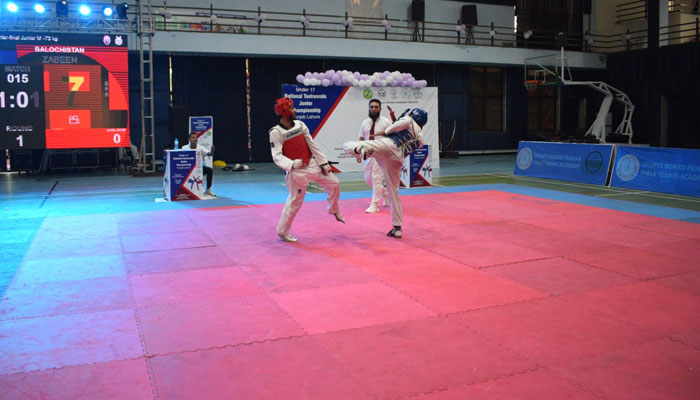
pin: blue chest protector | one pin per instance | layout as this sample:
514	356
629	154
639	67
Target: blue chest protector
405	141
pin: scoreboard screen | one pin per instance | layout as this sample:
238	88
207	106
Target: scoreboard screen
63	91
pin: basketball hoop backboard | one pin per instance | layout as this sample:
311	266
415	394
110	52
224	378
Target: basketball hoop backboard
551	69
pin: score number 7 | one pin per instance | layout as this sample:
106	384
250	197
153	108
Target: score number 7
75	81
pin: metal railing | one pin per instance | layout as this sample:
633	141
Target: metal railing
305	24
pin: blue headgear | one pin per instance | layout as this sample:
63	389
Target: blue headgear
420	116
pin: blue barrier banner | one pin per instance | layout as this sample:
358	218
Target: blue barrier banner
573	162
667	170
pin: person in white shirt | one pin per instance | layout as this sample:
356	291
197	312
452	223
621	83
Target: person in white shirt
402	138
294	150
208	171
373	128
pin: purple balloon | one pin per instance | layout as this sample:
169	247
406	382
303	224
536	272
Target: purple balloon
356	75
300	78
343	81
308	75
325	82
364	77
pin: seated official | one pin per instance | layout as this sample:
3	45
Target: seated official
208	170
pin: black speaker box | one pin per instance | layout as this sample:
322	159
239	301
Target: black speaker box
108	158
21	160
469	15
61	159
87	158
416	11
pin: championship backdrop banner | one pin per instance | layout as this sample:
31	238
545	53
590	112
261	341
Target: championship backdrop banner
667	170
573	162
204	127
334	114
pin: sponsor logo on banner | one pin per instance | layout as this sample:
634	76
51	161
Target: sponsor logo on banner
381	93
627	167
118	41
417	94
367	94
106	40
524	158
594	162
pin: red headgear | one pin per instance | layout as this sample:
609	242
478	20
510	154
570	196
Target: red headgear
283	107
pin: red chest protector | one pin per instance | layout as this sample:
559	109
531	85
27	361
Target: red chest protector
295	147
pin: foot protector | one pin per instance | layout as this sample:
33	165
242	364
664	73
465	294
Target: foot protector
287	238
395	233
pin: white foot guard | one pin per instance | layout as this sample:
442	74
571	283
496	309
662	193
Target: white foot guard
287	238
372	209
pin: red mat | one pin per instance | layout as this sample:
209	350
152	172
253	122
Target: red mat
489	295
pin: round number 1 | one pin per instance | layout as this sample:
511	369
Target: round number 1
19	139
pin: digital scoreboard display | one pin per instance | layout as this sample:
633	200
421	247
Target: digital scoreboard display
63	91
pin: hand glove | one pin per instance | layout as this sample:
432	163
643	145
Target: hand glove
296	163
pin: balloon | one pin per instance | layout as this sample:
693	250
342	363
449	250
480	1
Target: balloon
300	78
308	75
364	77
307	81
326	82
315	75
356	75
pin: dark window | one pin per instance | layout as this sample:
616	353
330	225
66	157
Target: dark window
486	99
542	109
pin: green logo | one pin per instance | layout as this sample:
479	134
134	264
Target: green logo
367	94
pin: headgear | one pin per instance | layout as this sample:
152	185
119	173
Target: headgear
283	107
419	116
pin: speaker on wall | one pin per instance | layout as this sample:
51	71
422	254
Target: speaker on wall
469	15
416	11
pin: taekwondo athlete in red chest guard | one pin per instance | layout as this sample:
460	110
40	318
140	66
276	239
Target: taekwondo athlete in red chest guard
294	150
